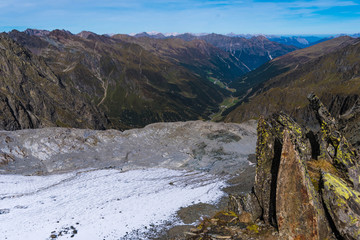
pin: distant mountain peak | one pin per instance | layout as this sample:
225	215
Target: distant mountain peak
86	34
58	32
36	32
260	37
150	35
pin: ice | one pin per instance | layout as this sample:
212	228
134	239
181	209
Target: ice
98	204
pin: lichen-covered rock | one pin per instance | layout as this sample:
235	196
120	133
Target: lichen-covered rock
267	152
343	205
247	204
302	144
298	211
333	146
305	184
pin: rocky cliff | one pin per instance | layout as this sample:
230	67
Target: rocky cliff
32	95
306	185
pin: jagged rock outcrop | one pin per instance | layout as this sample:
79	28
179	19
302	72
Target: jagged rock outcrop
333	145
299	214
298	198
306	183
268	154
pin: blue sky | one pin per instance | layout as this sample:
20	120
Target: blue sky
197	16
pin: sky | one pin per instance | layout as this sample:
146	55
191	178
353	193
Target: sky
282	17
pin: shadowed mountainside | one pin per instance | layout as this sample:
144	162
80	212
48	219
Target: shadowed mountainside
198	56
32	96
330	69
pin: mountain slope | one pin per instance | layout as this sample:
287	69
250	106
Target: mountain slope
298	41
130	84
252	52
330	69
197	55
32	96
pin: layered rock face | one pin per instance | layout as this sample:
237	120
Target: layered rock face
306	184
32	95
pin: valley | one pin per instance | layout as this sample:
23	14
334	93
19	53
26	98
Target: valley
122	82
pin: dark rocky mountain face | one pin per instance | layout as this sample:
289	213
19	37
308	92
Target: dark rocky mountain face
36	32
128	83
329	69
156	36
32	96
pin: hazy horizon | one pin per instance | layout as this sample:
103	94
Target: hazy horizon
281	17
166	34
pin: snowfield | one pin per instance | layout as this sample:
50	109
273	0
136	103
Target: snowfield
65	183
99	204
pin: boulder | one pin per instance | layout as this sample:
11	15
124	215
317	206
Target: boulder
245	205
343	205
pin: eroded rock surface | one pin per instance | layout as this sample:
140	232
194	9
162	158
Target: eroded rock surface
333	145
299	213
212	147
343	205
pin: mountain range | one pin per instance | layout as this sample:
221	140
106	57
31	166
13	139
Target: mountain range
86	80
56	78
251	51
300	41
